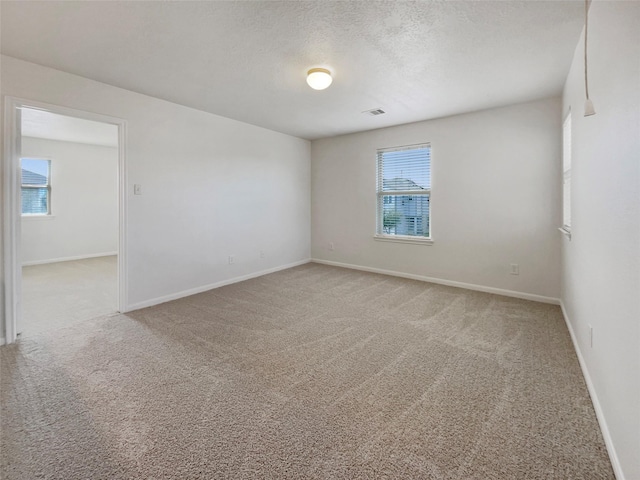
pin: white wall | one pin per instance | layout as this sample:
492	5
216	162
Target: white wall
601	262
495	199
211	186
84	202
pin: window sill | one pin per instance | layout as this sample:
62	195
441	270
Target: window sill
403	239
37	217
565	232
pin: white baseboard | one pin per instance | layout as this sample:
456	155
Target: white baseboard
68	259
604	428
450	283
204	288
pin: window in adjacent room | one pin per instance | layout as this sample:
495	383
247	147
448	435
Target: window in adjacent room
566	173
404	192
36	186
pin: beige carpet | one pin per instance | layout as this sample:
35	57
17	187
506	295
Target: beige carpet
56	295
312	372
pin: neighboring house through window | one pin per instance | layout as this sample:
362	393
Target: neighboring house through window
404	191
36	186
566	173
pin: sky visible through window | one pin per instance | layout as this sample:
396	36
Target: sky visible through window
36	165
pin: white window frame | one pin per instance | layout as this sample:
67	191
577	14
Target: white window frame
48	186
566	175
380	194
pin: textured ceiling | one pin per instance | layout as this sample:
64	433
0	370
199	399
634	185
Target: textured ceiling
41	124
247	60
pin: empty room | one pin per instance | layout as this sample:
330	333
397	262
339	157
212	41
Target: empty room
69	234
345	240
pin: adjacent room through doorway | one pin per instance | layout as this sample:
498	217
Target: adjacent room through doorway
69	220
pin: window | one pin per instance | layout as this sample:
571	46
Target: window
404	192
36	186
566	174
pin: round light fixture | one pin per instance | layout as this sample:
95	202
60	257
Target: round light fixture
319	78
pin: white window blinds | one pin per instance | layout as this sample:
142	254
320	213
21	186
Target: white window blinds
36	186
404	191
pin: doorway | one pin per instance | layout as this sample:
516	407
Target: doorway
64	256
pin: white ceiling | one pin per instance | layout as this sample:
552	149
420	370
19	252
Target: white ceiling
247	60
41	124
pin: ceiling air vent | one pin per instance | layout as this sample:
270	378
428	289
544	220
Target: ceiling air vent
375	111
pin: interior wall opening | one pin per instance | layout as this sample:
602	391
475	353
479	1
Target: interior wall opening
69	223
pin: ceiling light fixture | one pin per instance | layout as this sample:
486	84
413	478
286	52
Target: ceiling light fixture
319	78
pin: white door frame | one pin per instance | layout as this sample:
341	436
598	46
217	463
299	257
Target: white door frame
11	252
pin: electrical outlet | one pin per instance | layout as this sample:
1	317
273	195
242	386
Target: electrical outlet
261	253
331	246
232	259
515	269
137	189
